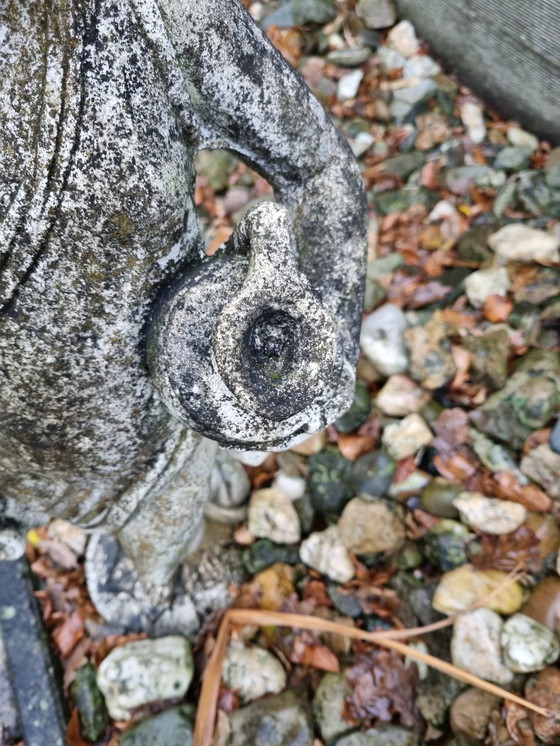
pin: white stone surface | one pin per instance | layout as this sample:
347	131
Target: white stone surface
476	648
73	536
401	396
252	671
367	527
407	437
520	243
489	514
483	283
273	516
145	671
348	85
402	38
382	340
325	552
473	119
421	66
521	139
292	486
528	645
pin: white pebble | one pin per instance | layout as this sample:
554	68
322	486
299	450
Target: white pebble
402	38
519	243
349	84
473	119
325	552
483	283
489	514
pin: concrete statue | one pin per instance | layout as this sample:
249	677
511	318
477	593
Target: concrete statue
126	354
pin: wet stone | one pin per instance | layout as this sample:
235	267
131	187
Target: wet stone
281	720
472	245
328	704
444	545
172	727
300	13
471	711
438	496
144	671
494	456
252	671
475	646
358	412
372	474
528	645
489	514
329	481
367	527
90	703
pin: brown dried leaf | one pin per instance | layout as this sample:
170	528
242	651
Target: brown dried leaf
497	308
506	552
352	445
307	652
68	633
383	688
73	733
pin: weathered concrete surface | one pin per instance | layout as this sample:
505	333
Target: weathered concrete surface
509	53
104	104
28	672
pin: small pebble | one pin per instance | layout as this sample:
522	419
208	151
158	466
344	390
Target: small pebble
144	671
475	646
471	711
520	243
544	691
328	705
349	84
483	283
401	396
252	671
325	552
377	14
528	645
382	342
473	119
273	516
489	514
402	38
461	588
405	438
367	527
521	139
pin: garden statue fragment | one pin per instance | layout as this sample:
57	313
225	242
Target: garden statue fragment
127	355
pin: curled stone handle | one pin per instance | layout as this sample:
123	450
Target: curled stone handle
241	348
273	340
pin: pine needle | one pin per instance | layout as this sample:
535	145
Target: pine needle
208	702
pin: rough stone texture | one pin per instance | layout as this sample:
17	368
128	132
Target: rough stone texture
144	671
35	690
489	514
527	644
325	552
282	720
272	515
475	646
328	706
252	671
470	713
367	527
104	106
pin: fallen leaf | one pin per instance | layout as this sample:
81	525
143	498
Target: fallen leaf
352	445
497	308
68	632
382	688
